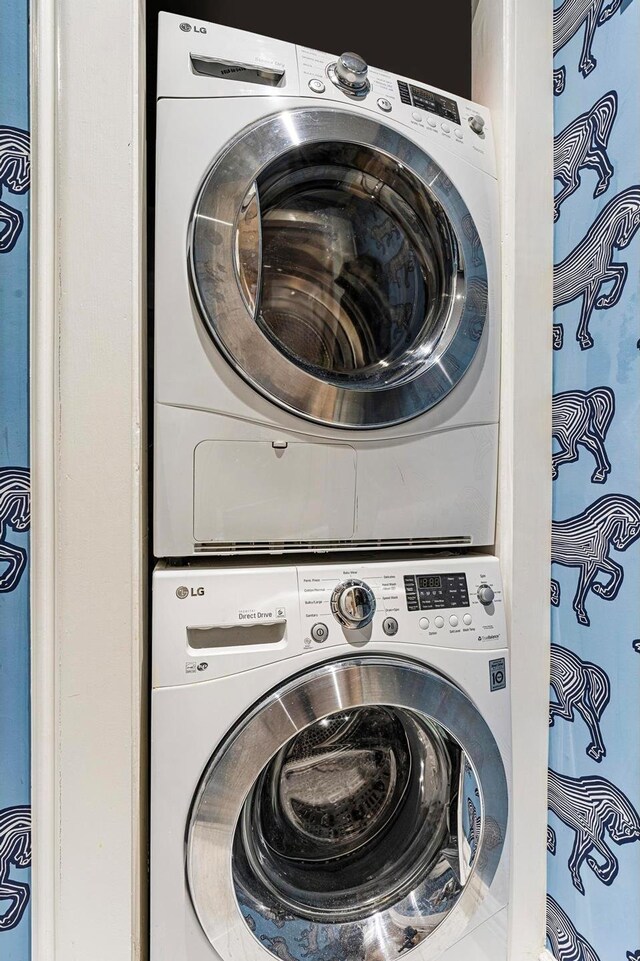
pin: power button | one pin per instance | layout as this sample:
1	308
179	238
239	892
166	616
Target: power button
319	632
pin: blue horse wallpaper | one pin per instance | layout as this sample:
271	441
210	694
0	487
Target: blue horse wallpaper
15	499
594	779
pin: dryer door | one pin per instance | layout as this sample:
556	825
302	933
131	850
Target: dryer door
357	812
338	269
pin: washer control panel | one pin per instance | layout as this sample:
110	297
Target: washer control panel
215	621
452	602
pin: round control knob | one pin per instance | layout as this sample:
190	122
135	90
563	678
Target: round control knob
351	71
485	594
477	124
353	604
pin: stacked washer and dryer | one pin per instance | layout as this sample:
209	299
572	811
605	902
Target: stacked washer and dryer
330	754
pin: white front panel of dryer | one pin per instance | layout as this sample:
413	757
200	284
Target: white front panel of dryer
430	480
268	491
190	370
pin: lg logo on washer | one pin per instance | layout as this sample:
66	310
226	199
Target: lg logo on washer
183	592
186	28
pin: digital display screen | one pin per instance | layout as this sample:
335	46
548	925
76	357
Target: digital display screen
429	100
429	583
432	592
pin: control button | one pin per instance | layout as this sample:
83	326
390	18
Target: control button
445	128
417	116
384	104
424	623
320	632
390	626
485	595
439	621
453	620
431	121
458	134
467	619
317	86
477	124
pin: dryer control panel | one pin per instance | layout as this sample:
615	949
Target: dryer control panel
216	621
200	59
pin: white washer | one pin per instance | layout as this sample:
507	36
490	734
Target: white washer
330	773
326	303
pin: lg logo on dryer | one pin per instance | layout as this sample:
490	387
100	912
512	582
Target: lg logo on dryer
186	28
183	592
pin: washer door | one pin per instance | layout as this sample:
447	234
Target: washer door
352	813
338	268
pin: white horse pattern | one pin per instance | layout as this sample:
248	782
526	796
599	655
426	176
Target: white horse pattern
583	687
15	851
582	418
592	807
584	541
590	264
568	19
15	176
15	514
566	943
583	143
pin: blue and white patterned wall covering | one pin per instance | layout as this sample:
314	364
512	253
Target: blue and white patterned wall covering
594	781
15	500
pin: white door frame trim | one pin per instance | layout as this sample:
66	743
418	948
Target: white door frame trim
512	53
43	327
88	560
88	556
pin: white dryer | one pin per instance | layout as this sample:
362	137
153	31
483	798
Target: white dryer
330	768
326	303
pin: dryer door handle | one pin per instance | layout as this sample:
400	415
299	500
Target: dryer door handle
247	249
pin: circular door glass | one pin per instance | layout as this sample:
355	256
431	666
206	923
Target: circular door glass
368	827
347	816
358	264
338	268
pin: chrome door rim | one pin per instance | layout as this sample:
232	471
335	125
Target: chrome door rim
246	347
328	688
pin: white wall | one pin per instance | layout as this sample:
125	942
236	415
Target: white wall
512	51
